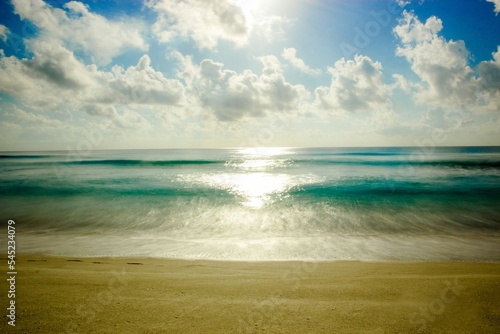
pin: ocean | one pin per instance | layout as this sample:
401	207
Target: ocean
373	204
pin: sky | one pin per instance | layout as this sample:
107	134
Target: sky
113	74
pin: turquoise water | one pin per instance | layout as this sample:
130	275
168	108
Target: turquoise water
257	204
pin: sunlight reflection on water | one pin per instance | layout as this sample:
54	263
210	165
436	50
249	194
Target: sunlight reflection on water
249	175
255	188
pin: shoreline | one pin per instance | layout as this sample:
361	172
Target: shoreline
65	294
400	248
35	254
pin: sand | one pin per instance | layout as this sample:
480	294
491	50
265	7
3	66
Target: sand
121	295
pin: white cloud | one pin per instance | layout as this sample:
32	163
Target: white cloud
204	21
272	28
290	54
489	72
127	118
4	31
401	83
38	119
137	85
55	64
80	30
232	96
51	76
10	125
489	82
403	3
356	86
497	5
441	65
447	80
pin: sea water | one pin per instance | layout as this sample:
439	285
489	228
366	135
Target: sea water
257	203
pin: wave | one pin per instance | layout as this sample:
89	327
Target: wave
371	191
392	188
238	163
409	163
25	156
126	162
368	159
125	190
367	154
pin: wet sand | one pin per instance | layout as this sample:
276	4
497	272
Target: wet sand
124	295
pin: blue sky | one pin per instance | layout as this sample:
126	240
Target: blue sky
204	73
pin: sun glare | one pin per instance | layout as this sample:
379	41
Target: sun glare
255	188
252	7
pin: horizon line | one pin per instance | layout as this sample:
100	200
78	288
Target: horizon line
257	147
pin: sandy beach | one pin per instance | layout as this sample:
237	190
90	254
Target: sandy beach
123	295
